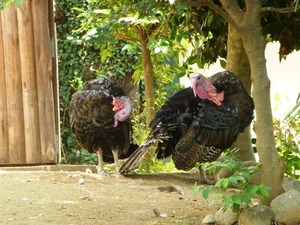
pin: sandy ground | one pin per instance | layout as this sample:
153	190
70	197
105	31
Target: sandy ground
57	197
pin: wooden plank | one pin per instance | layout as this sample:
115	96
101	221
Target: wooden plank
4	153
55	75
15	120
29	85
43	62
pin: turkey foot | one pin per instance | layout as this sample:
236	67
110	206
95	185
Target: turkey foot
116	160
205	180
102	172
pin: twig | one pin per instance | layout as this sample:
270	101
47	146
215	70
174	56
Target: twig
91	193
280	10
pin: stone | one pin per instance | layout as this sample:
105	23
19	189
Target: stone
291	184
286	207
81	181
209	219
226	218
259	214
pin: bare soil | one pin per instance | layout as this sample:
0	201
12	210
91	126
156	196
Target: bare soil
58	197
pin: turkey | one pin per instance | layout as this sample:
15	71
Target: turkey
99	118
198	123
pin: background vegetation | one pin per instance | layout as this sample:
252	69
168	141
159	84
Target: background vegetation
82	58
114	41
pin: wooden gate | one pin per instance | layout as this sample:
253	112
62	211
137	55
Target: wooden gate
29	132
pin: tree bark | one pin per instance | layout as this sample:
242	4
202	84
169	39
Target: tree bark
272	166
149	87
247	23
238	63
148	74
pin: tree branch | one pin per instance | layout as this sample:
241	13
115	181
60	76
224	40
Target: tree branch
253	11
280	10
125	38
232	9
214	7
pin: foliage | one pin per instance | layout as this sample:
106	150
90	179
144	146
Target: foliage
157	166
105	23
5	3
279	23
282	26
213	37
240	179
87	46
288	143
80	61
71	58
294	112
85	54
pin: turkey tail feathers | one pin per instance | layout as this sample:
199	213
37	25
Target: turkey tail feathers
133	161
186	155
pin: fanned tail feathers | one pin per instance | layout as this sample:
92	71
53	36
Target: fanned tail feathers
133	161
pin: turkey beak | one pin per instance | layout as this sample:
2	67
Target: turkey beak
193	85
194	90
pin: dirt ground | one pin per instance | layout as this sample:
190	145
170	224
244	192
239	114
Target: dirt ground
58	197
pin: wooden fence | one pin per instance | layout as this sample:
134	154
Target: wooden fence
29	132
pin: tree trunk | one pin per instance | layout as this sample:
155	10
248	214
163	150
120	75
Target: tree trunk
148	74
247	23
238	63
272	166
149	88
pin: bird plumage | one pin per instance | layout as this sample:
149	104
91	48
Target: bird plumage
95	124
195	130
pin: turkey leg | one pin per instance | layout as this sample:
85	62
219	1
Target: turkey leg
116	160
101	170
205	179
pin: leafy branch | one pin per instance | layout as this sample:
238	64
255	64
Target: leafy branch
240	180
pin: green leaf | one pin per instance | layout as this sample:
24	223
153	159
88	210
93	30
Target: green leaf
234	179
205	192
5	3
263	190
236	199
236	207
251	190
247	200
223	63
79	9
18	2
227	200
196	188
219	183
226	183
219	195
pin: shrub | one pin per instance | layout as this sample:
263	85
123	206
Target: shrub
240	179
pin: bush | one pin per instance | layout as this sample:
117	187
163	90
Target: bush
239	179
288	144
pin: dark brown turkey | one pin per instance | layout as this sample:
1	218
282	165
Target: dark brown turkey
198	123
99	118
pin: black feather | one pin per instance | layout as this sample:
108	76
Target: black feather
92	120
194	130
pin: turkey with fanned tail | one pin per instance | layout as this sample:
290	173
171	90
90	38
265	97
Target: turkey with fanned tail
199	122
100	119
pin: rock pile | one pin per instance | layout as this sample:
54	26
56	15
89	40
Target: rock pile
284	209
